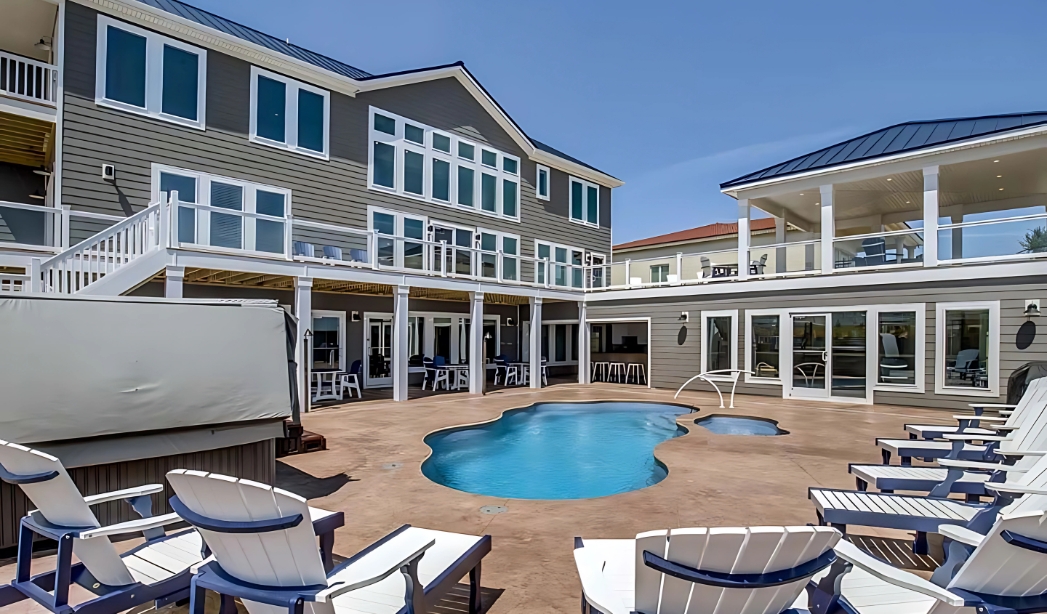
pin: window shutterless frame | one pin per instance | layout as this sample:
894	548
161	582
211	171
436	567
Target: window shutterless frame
542	177
750	362
569	268
583	202
399	218
992	388
919	345
291	140
154	74
509	245
732	340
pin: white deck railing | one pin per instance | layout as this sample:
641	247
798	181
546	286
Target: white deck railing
28	79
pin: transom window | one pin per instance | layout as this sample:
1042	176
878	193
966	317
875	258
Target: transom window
228	213
585	202
289	114
143	72
417	161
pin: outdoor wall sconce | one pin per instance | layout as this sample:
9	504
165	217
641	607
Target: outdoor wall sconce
508	321
355	316
685	316
1032	308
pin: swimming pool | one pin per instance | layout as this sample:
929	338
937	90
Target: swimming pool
556	451
740	425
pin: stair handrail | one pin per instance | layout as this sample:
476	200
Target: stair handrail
106	234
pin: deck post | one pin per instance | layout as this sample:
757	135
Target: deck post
477	369
400	325
174	276
583	345
930	216
743	238
303	309
536	342
828	229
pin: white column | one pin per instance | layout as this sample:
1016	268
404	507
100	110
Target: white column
781	254
743	238
173	278
583	345
536	342
828	229
930	216
400	356
477	368
303	310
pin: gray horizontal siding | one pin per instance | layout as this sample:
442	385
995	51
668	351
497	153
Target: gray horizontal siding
673	363
332	191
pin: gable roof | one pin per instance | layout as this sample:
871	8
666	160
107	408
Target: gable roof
709	231
909	136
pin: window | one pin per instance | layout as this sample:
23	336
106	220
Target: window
232	214
967	349
897	354
328	340
493	241
143	72
541	183
289	114
585	202
390	252
565	266
659	273
558	343
417	161
763	359
720	342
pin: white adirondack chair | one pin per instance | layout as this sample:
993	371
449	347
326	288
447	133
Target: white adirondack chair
265	554
158	570
700	570
1033	394
1009	562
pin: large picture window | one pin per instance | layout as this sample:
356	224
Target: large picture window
143	72
899	339
967	348
720	342
289	114
414	160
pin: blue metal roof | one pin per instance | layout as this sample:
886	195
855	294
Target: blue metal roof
228	26
910	136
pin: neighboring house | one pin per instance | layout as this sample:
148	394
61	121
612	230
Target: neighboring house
386	210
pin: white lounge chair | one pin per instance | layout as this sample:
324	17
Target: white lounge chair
265	555
839	508
1004	571
755	570
976	422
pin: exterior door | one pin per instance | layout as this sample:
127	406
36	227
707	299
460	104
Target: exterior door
810	356
378	352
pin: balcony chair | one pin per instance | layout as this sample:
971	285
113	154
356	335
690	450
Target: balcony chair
757	267
301	248
332	253
875	251
756	570
924	515
351	381
358	255
707	267
264	554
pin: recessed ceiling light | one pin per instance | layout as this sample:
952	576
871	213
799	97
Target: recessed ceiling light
995	161
907	202
1001	189
998	176
801	193
889	179
817	203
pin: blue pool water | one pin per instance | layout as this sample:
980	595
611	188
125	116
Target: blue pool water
556	451
739	425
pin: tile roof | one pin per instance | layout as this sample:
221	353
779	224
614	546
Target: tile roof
709	231
910	136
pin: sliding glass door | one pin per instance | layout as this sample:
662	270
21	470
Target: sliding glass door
829	355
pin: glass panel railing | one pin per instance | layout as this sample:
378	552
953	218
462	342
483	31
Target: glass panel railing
1005	238
873	250
710	265
27	224
784	258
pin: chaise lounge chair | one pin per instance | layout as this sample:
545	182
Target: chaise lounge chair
1002	572
839	508
158	570
970	423
756	570
267	557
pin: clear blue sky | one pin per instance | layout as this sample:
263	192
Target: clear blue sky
674	98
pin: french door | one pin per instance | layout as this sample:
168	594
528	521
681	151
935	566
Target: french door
829	355
378	352
810	356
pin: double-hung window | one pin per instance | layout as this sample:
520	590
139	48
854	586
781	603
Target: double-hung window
541	182
585	202
491	243
223	212
411	159
561	264
143	72
289	114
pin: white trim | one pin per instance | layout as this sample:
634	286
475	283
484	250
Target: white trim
750	378
539	169
429	153
650	341
292	87
342	349
154	67
993	365
920	345
733	342
586	185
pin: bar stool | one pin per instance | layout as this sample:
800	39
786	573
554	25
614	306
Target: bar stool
616	370
598	368
635	369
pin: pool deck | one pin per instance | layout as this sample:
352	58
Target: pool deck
371	471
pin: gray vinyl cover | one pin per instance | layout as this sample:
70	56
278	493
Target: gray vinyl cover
74	368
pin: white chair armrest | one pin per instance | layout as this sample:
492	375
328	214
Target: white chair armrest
594	585
132	526
981	418
968	437
1003	428
126	493
376	565
962	464
1016	489
896	577
1006	412
961	534
1020	452
992	405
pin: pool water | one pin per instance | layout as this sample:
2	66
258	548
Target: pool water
556	451
739	425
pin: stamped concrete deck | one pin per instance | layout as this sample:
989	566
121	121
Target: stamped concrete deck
371	471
